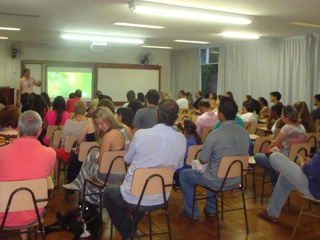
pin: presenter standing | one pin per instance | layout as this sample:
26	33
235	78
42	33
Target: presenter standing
26	84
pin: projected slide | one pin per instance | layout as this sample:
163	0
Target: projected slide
64	80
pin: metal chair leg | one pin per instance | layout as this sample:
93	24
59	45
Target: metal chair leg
217	217
263	182
150	225
245	210
222	206
298	220
193	203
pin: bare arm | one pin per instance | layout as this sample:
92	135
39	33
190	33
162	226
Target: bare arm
84	131
270	121
302	160
44	125
37	83
107	140
278	140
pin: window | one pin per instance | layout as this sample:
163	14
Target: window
209	58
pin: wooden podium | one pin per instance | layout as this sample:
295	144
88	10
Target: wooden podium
9	93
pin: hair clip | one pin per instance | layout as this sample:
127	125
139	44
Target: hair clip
182	124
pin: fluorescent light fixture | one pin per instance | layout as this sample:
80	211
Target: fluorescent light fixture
188	12
100	38
303	24
3	37
161	47
190	41
10	29
137	25
240	35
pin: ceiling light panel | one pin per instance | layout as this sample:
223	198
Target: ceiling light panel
303	24
240	35
191	41
161	47
100	38
137	25
188	12
10	29
3	37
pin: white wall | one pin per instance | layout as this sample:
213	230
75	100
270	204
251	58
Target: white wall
10	69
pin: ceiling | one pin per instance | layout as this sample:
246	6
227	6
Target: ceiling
41	21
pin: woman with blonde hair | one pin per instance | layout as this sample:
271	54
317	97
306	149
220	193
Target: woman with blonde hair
304	116
111	136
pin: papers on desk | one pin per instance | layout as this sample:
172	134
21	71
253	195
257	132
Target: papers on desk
253	136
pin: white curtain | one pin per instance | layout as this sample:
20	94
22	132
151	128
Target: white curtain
289	65
185	73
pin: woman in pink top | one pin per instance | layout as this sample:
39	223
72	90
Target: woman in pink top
57	116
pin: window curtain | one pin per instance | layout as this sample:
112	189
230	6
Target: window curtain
288	65
185	73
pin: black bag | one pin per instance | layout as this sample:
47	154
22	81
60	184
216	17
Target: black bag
74	164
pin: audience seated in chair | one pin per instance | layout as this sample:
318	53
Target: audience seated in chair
305	116
263	107
208	118
315	114
158	146
125	115
112	136
303	176
228	139
9	117
248	111
56	116
70	103
72	127
182	101
145	117
26	159
188	129
274	120
292	132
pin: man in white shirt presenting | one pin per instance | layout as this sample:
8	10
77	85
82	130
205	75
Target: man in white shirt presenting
26	84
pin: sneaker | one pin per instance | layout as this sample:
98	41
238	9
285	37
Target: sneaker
183	213
70	186
208	214
266	216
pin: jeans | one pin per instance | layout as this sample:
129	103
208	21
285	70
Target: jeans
263	161
117	209
188	179
291	178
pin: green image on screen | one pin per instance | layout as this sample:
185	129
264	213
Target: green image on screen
63	83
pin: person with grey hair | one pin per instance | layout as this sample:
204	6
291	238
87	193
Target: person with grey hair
25	159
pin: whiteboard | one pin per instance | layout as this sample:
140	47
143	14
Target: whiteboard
116	82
